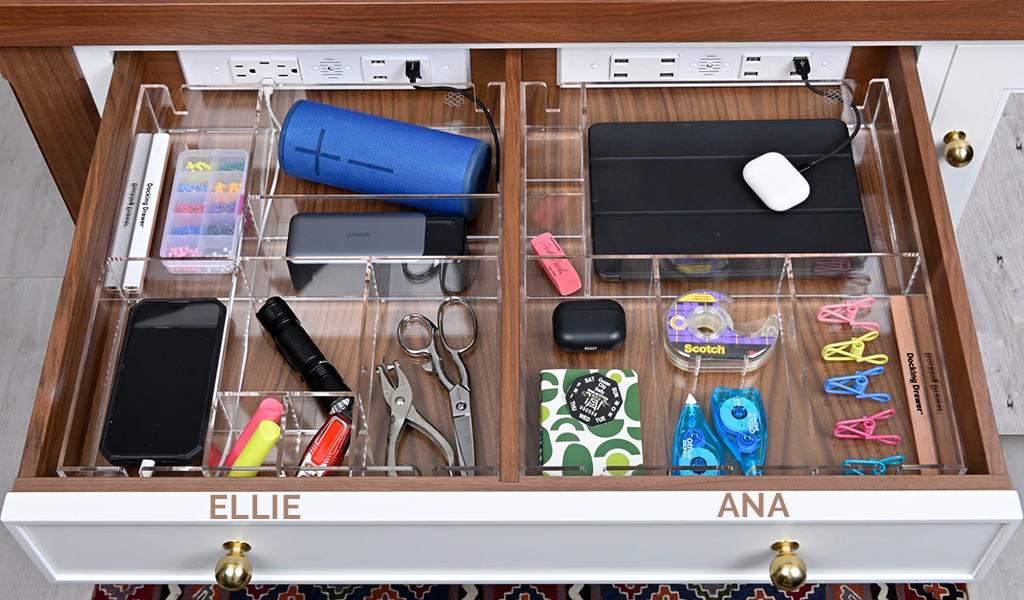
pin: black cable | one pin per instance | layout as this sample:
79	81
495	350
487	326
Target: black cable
487	114
803	68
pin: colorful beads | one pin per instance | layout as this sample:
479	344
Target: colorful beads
232	188
186	230
205	218
217	253
218	208
220	229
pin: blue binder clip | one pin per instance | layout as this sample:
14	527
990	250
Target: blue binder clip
874	467
855	385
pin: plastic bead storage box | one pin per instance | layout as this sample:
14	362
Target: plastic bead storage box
204	215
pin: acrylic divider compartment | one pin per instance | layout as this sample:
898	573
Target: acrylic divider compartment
204	215
356	327
276	196
912	381
210	126
557	195
800	416
265	230
301	417
443	111
96	366
351	327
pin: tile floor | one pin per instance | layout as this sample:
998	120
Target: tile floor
32	261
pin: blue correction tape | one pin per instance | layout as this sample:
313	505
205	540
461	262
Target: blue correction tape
740	422
695	445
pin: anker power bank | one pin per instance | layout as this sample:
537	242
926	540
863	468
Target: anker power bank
313	237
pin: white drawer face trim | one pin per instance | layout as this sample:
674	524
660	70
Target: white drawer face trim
516	536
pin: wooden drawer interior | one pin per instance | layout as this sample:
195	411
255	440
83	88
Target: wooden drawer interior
544	188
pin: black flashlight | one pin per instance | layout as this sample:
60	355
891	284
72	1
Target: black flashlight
302	354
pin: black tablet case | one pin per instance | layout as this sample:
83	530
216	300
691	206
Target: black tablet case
677	188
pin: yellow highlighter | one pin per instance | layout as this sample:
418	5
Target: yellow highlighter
257	448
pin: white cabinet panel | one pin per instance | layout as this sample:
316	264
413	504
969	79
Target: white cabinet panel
517	536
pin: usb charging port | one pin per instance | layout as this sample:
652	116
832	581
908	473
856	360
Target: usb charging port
620	60
753	59
666	75
668	60
750	73
620	75
380	76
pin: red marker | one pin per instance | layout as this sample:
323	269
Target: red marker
328	446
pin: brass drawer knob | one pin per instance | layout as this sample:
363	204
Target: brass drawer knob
787	571
959	151
234	570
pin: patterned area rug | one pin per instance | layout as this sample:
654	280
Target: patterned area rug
643	591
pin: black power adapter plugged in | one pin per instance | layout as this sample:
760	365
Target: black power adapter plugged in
412	71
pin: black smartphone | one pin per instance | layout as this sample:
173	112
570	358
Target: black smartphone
160	403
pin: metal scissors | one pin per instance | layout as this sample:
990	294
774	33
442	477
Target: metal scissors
458	390
398	395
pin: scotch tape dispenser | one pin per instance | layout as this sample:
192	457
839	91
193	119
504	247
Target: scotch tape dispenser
700	334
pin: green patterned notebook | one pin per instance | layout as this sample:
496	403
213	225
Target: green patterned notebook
589	420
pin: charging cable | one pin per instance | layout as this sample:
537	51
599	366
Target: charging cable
412	71
802	66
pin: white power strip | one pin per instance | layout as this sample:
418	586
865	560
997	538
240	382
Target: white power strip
647	63
352	66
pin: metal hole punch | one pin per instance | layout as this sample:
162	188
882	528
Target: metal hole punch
458	387
856	385
398	395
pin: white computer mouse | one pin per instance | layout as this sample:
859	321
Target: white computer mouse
776	181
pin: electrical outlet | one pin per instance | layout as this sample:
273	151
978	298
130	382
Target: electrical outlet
279	70
360	67
771	66
643	63
392	70
644	68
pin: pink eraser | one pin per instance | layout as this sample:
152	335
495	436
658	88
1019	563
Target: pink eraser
559	270
269	410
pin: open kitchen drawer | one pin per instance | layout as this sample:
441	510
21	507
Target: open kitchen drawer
938	518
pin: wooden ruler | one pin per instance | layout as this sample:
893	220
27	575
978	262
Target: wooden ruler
913	379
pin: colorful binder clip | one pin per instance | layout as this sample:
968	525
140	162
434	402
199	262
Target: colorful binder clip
854	350
856	385
874	467
864	428
847	313
831	267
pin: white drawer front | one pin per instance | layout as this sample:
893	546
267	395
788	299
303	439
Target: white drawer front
424	537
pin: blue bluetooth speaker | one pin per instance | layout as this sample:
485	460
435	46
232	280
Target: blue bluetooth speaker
373	155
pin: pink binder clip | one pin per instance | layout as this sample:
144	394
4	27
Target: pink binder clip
847	313
864	428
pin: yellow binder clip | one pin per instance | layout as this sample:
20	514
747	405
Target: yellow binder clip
854	350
